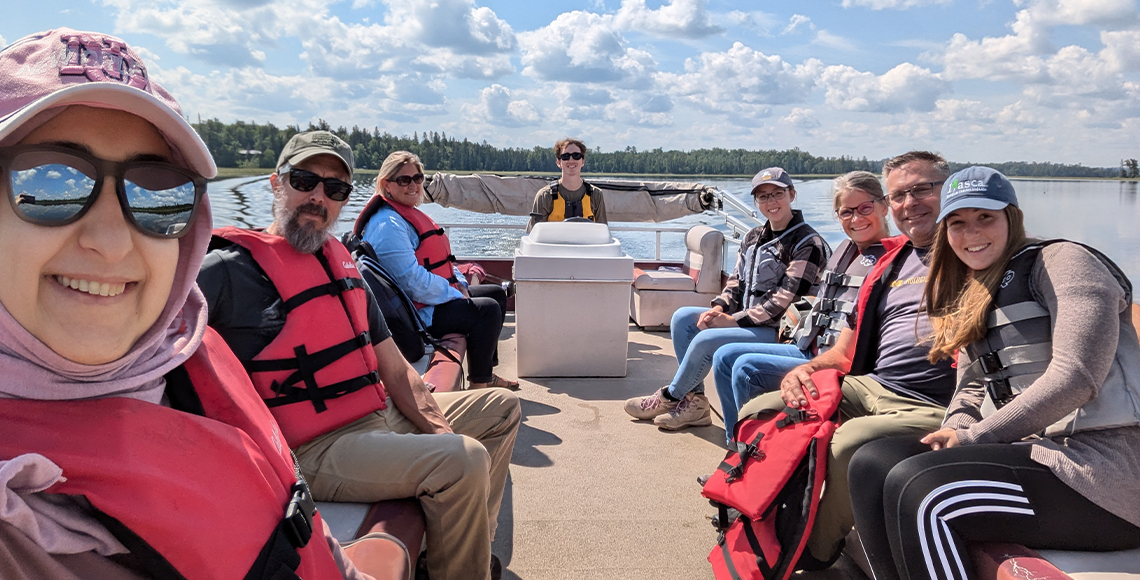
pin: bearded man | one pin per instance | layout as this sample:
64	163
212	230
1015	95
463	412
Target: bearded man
291	305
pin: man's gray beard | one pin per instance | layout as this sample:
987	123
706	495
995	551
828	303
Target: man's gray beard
306	239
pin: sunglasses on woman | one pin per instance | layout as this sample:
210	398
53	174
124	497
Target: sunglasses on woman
50	185
306	181
864	209
568	156
406	180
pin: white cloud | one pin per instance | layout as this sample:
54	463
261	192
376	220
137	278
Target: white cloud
741	81
892	4
803	119
1121	49
496	107
906	87
629	113
825	38
583	47
761	23
796	22
676	18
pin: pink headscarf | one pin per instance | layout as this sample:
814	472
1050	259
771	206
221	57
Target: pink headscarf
39	76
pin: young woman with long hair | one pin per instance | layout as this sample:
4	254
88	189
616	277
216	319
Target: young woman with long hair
1041	442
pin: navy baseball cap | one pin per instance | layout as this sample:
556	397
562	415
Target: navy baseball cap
976	187
772	175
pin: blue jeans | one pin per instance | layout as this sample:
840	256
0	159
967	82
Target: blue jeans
695	347
743	371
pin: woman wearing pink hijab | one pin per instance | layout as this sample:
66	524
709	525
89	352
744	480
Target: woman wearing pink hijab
131	442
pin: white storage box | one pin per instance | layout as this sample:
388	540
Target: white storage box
572	301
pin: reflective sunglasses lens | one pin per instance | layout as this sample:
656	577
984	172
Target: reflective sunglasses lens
303	180
569	156
161	199
337	190
403	180
50	187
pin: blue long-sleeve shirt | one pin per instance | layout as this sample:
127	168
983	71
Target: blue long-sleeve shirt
395	242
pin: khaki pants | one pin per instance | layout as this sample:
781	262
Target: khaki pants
458	478
868	411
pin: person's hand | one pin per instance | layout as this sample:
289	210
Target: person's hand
706	316
795	384
942	439
721	320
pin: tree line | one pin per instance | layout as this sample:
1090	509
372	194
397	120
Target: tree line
242	144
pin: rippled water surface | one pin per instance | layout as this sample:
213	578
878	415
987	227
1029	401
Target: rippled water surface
1103	214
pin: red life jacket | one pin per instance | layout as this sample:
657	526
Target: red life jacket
199	495
434	251
867	319
320	372
768	487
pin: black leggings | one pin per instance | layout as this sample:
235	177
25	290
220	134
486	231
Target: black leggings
940	500
480	319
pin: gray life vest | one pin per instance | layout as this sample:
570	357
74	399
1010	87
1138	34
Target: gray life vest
836	297
763	267
1018	348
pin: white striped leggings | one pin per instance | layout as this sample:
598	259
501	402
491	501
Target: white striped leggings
916	510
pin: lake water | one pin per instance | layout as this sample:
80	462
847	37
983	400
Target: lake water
1102	214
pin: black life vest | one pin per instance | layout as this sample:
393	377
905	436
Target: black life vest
320	372
434	250
767	489
1018	348
836	297
197	495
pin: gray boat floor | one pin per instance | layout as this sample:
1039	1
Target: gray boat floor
594	494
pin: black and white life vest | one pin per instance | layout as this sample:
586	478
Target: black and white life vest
836	297
763	265
1018	348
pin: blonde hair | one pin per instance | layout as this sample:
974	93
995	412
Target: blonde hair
392	165
864	181
958	299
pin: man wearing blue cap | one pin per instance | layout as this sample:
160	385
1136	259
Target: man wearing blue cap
891	389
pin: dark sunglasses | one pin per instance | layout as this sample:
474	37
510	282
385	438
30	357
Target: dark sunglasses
864	209
568	156
49	185
406	180
307	181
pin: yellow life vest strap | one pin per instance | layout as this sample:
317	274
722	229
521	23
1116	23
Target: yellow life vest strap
558	212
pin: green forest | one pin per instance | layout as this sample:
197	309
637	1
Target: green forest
252	145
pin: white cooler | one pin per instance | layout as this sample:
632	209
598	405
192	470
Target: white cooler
572	288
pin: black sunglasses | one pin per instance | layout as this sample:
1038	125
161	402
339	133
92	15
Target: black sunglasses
49	185
406	180
307	181
568	156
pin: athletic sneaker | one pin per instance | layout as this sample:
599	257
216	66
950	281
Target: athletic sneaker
692	411
649	407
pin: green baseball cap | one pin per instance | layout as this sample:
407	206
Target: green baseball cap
310	144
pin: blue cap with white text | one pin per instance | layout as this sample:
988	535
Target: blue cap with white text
976	187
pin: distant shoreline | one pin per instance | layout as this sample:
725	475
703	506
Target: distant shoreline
239	172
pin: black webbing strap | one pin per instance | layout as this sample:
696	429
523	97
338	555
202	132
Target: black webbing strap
288	394
334	288
728	559
322	358
279	559
796	416
761	563
428	264
744	452
430	233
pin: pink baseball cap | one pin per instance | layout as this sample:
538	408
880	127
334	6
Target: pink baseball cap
61	67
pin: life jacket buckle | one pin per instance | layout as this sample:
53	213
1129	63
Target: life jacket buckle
796	416
298	523
999	391
825	305
990	362
363	340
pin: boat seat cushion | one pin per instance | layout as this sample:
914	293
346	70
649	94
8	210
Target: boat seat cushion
662	280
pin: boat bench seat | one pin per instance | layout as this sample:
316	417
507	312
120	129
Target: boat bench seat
657	294
1015	562
441	374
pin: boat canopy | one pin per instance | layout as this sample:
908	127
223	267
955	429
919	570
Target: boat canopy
626	201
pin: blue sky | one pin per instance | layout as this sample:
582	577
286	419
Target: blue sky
977	80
